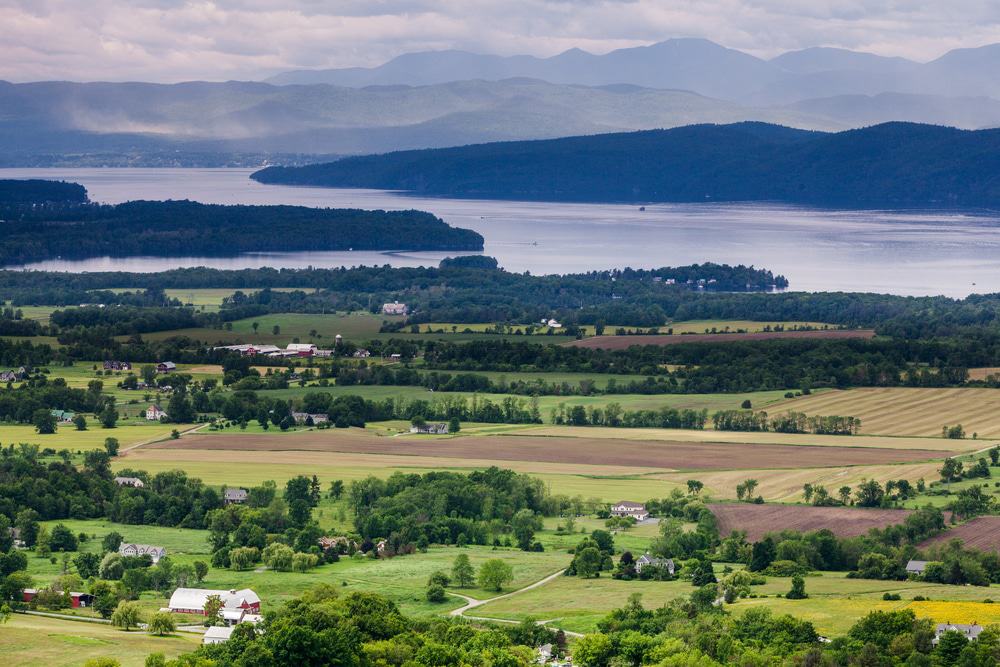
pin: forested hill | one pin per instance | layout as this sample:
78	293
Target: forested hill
40	191
888	165
74	229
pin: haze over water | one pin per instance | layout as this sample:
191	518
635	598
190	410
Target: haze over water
911	253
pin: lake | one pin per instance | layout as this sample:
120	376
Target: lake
899	252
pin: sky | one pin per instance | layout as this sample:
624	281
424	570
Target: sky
178	40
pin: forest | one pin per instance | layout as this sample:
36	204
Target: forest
893	164
76	229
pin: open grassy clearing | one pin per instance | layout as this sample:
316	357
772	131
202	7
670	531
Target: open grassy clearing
402	579
946	447
211	298
67	437
909	411
49	642
835	602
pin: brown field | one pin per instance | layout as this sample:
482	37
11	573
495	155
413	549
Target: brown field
585	451
758	520
623	342
980	533
909	411
983	373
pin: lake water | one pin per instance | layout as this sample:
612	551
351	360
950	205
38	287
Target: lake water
912	253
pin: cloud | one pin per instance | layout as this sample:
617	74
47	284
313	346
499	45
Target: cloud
179	40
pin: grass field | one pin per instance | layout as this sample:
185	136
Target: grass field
49	642
909	411
835	602
67	437
211	298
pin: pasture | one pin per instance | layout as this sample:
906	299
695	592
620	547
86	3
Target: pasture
50	642
905	411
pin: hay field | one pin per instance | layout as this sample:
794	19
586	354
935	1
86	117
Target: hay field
786	485
945	447
909	411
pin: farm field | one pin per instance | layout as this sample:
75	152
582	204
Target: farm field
834	604
67	437
210	299
660	454
684	327
49	642
623	342
942	445
982	532
910	411
758	520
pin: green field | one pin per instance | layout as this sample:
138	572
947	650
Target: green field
50	642
67	437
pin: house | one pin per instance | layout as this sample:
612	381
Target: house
970	632
646	560
14	375
192	600
362	354
15	535
65	416
154	552
77	600
234	496
916	567
553	323
394	308
134	482
166	367
117	366
217	634
626	508
337	543
304	417
155	413
544	654
431	428
323	353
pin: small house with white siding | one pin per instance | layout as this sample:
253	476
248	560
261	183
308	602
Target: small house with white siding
628	508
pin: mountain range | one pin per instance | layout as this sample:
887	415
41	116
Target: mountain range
697	65
888	165
448	98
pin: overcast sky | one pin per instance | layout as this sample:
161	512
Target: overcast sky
174	40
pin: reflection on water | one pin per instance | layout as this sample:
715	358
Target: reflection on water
874	251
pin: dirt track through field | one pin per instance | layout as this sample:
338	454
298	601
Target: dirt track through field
758	520
623	342
593	451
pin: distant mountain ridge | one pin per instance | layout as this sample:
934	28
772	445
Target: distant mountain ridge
698	65
888	165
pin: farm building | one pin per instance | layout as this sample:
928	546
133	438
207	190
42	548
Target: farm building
301	349
970	632
154	552
307	418
134	482
551	323
155	413
217	634
646	560
362	354
627	508
77	600
916	567
65	416
166	367
15	535
250	349
192	600
117	366
234	496
394	308
431	428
